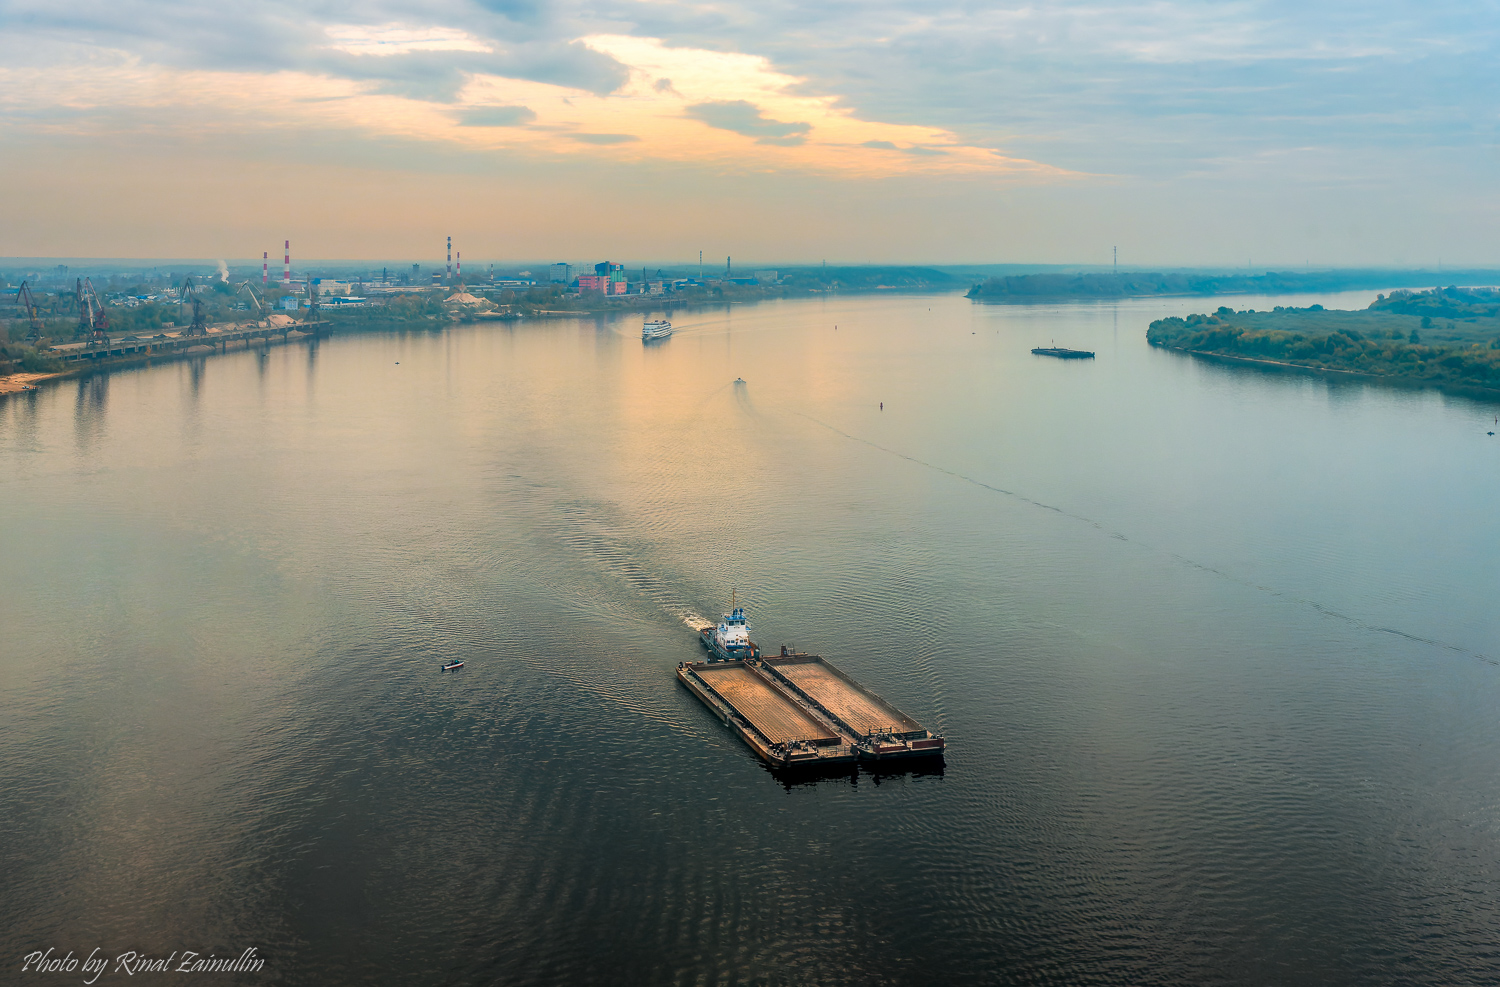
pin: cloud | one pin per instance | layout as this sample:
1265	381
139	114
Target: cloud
604	138
495	116
400	39
912	149
1156	92
745	118
539	101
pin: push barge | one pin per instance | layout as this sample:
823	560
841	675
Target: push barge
1062	353
798	710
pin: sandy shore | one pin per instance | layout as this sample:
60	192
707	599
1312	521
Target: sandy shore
16	383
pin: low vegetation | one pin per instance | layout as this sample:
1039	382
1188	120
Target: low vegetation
1444	336
1134	284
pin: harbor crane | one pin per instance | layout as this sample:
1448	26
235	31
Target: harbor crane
92	319
249	289
199	326
27	301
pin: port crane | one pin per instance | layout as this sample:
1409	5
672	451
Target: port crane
249	289
92	319
27	301
199	326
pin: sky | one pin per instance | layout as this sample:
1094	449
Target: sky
1255	134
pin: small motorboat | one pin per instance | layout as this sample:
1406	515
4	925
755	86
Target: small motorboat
452	666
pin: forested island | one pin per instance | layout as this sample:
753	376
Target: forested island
1137	284
1449	337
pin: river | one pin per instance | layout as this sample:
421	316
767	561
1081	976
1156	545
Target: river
1214	649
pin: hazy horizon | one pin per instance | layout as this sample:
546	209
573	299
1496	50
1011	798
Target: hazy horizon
396	265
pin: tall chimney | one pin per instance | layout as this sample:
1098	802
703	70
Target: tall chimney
265	268
460	265
450	258
286	266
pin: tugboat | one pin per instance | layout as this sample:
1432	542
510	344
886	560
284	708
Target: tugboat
658	329
730	640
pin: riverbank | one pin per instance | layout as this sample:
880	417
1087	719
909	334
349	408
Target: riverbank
1395	340
406	314
1140	284
136	356
21	383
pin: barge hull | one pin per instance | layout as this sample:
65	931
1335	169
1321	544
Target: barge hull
855	708
770	723
877	730
799	709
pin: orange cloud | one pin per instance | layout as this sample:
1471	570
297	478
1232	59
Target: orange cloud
731	112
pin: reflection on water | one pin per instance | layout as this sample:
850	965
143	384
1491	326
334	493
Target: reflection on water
89	405
1213	651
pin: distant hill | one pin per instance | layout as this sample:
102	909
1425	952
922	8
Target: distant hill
868	278
1134	284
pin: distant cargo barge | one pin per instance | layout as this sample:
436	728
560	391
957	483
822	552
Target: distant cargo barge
1063	353
797	710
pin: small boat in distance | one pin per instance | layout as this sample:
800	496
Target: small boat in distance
1063	353
656	329
452	665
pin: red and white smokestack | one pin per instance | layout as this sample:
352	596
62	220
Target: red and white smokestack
460	265
286	265
265	267
450	258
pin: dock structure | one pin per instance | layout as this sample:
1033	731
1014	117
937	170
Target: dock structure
799	710
130	346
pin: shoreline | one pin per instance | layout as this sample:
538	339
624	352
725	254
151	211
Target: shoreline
1282	366
22	383
30	383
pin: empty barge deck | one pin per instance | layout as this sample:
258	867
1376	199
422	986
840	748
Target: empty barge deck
797	709
781	730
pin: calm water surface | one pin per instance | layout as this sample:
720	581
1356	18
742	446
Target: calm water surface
1215	652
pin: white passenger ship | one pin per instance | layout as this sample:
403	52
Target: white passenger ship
658	329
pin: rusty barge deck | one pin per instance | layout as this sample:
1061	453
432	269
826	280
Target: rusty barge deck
799	710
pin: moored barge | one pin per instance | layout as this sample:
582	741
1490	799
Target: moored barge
1062	353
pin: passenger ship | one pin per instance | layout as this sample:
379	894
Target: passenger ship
659	329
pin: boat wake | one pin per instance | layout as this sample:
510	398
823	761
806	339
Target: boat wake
1182	559
695	622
